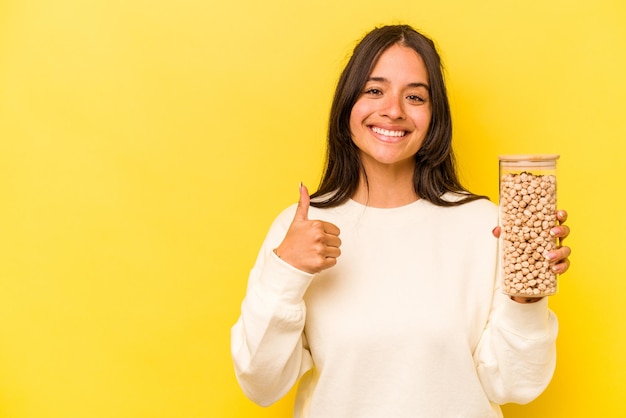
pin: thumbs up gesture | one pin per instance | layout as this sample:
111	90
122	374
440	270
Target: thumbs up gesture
309	245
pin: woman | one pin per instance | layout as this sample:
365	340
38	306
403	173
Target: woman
410	320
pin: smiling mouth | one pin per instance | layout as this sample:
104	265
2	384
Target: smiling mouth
386	132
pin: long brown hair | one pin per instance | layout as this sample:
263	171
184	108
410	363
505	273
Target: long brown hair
435	167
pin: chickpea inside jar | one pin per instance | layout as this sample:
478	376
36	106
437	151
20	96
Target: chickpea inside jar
527	214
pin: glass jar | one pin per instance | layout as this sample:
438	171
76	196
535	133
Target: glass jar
527	213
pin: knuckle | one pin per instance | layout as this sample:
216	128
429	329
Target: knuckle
318	248
318	263
317	225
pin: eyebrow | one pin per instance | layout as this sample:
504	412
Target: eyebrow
384	80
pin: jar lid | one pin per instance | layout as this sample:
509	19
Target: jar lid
529	157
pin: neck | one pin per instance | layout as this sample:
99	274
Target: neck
386	187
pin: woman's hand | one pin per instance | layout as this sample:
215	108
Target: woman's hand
558	257
310	246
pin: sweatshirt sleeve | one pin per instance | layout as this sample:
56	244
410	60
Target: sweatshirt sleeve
268	345
516	355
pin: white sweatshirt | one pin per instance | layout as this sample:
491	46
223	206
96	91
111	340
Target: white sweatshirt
409	323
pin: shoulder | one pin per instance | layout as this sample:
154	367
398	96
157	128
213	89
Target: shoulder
478	204
480	210
285	216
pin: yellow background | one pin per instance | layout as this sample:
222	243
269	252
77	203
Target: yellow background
145	147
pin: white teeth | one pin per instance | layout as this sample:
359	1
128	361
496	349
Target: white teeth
385	132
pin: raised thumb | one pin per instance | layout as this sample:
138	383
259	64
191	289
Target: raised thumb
302	212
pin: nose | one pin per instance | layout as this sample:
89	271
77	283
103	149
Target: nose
393	107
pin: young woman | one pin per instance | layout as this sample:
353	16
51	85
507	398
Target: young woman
380	293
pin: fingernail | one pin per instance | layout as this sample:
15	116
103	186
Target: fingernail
550	256
553	231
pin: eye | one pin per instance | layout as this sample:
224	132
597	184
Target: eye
416	98
373	91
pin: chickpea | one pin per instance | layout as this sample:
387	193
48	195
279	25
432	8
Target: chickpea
528	206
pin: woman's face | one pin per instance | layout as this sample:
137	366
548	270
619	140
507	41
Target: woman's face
390	119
